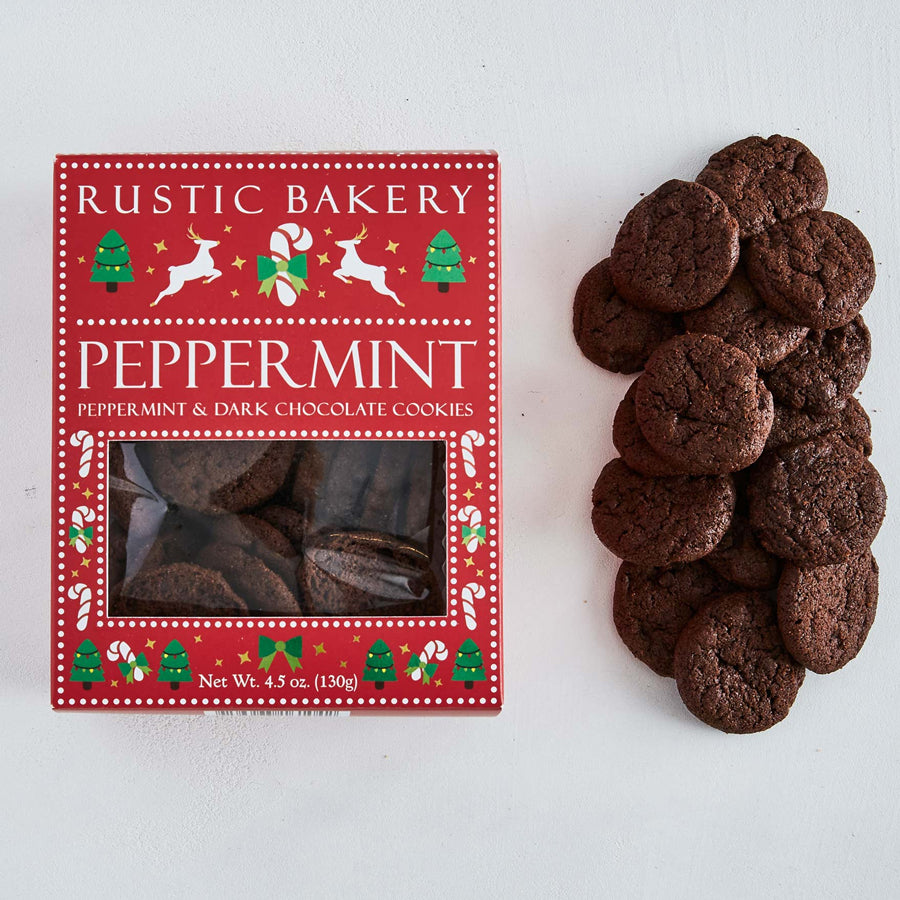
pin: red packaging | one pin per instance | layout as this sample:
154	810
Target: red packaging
277	433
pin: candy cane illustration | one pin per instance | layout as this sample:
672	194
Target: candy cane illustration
85	440
468	442
288	272
134	668
83	593
474	533
470	593
421	666
81	532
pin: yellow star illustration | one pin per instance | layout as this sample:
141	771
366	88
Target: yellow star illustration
319	648
327	231
479	573
76	485
81	259
87	493
85	562
404	648
321	295
114	683
402	270
150	270
343	664
198	638
470	561
468	495
244	657
478	485
323	258
437	682
227	229
234	293
356	638
219	662
150	644
238	262
471	259
74	573
392	247
160	246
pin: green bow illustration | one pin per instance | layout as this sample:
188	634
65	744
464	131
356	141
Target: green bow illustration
139	662
269	649
480	532
86	534
268	270
427	669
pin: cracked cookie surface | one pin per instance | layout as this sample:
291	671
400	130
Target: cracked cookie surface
676	249
633	447
850	423
740	318
701	405
610	332
825	612
822	373
741	559
816	269
660	521
766	180
732	668
816	503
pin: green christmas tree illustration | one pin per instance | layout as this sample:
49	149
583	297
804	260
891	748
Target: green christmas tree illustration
468	666
379	665
443	262
112	263
86	666
174	666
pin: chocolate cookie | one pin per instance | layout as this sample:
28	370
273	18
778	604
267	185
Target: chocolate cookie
348	573
179	589
676	249
825	613
611	333
660	521
741	559
218	475
816	269
816	503
629	440
766	180
701	405
651	606
850	424
825	370
291	523
740	318
731	666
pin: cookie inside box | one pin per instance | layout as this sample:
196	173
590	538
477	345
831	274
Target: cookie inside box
276	528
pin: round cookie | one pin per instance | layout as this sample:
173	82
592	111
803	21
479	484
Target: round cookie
611	333
793	426
816	269
346	573
766	180
291	523
179	589
740	318
676	249
741	559
629	440
825	370
651	606
217	475
825	612
660	521
731	666
701	405
816	503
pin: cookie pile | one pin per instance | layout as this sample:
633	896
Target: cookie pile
277	528
743	504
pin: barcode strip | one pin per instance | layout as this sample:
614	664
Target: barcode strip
325	713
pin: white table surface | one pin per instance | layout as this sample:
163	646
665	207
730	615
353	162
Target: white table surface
594	781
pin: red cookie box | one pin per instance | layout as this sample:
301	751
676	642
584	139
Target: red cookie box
328	298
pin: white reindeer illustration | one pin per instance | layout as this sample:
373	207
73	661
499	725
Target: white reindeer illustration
201	266
353	267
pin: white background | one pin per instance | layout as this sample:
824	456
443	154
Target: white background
594	781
